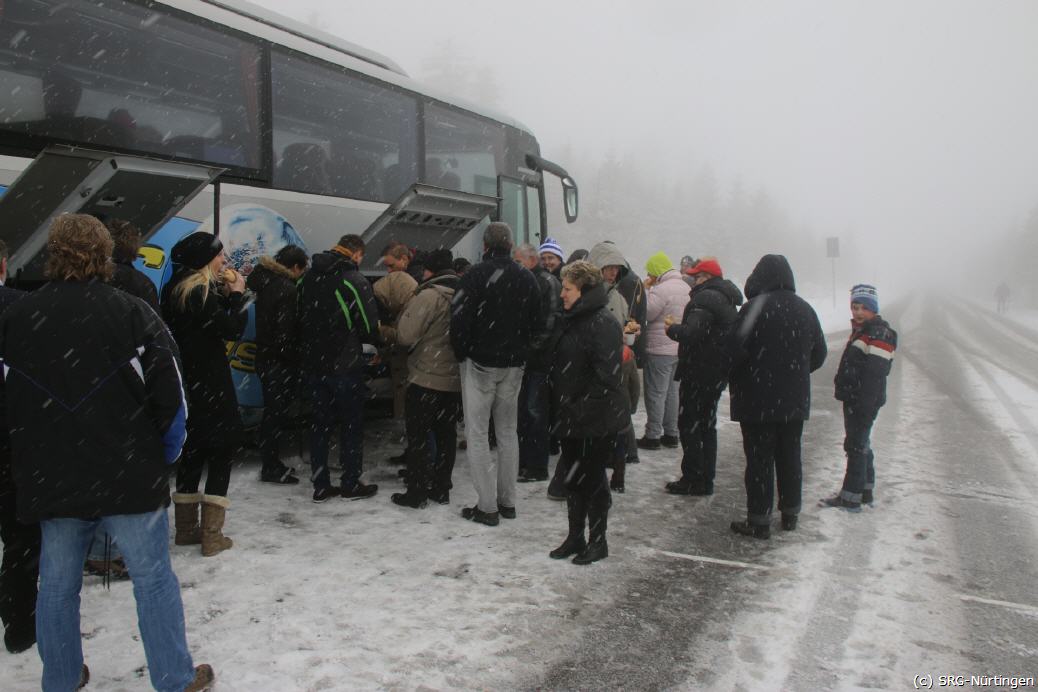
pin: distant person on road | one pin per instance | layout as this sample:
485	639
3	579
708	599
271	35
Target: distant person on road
591	408
496	315
703	367
778	344
273	281
861	384
96	412
1003	294
337	314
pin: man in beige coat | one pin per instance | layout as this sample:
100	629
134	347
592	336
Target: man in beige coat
433	397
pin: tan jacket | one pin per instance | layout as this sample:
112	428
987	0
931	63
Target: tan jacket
424	329
392	292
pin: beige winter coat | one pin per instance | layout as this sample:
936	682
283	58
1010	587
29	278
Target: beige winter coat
392	292
424	329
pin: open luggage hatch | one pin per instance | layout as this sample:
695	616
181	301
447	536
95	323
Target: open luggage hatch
425	217
146	192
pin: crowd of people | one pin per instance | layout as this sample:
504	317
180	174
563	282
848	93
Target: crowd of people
110	391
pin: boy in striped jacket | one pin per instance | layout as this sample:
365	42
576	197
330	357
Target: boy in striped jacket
861	384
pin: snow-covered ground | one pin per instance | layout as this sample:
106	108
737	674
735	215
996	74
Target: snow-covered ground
937	577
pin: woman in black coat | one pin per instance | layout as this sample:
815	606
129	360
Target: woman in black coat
590	407
202	304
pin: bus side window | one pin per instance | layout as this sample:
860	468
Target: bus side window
304	166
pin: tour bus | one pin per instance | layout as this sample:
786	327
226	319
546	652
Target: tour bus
221	116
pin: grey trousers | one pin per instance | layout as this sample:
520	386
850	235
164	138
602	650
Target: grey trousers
661	396
487	392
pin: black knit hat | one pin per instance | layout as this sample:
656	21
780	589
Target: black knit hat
439	260
196	250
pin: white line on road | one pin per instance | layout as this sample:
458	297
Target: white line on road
1005	604
712	560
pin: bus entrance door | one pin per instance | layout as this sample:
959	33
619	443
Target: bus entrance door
145	192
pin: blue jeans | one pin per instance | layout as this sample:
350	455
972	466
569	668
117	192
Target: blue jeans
337	400
533	423
144	540
861	474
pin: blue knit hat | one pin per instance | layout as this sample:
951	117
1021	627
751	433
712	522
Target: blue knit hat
549	245
867	296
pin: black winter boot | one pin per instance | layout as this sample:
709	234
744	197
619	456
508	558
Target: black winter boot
745	528
596	546
576	511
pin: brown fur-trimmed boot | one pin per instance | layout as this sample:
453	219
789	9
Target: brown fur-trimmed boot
185	518
214	511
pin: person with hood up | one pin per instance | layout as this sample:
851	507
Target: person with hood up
703	365
495	317
273	281
668	296
97	416
336	316
778	344
614	268
433	405
591	409
861	384
204	308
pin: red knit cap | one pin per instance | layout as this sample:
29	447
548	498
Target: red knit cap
706	266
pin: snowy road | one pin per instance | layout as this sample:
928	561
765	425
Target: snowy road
939	577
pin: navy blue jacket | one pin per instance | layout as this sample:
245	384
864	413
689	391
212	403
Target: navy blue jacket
861	379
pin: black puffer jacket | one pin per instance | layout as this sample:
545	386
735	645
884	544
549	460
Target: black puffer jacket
95	402
704	359
336	315
496	313
861	379
778	343
7	298
128	278
587	397
549	287
275	291
202	329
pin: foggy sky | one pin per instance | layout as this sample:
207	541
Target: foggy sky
913	125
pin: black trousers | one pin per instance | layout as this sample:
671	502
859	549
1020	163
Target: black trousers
586	480
431	415
217	460
19	570
280	385
697	427
772	454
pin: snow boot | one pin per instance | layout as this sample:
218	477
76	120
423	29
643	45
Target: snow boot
575	542
204	678
84	677
840	502
185	518
745	528
789	522
596	546
214	512
412	498
670	441
866	496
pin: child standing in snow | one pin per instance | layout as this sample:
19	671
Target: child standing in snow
861	384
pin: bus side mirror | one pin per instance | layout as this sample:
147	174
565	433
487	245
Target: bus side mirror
570	199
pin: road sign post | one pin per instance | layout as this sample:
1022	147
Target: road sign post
832	251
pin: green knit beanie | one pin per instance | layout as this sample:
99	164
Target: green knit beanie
659	264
